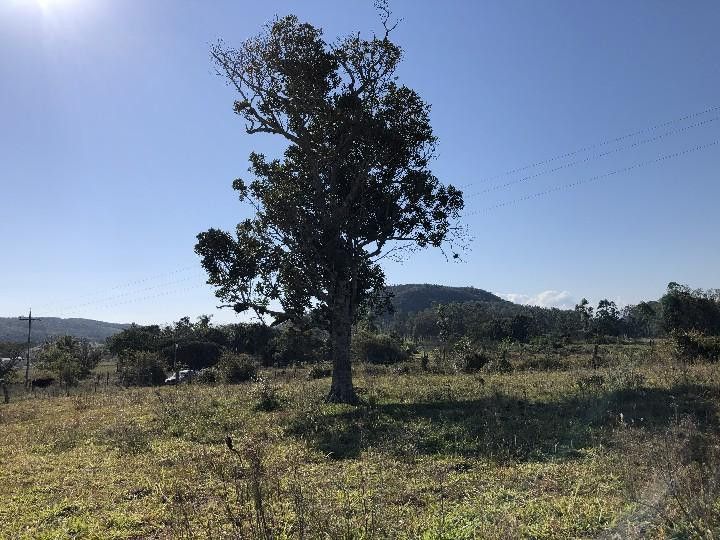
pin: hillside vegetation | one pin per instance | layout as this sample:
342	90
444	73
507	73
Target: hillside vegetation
12	329
412	298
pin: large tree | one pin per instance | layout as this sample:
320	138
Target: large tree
352	187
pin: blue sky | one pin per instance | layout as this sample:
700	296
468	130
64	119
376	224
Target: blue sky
118	145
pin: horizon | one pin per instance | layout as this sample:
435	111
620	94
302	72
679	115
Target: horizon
120	146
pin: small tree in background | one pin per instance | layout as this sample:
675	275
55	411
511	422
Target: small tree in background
12	352
607	318
585	313
69	359
141	368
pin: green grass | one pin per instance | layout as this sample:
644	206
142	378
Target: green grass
535	454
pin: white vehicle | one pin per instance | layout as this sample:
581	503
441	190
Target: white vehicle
185	375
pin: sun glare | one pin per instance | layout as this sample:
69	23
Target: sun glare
47	5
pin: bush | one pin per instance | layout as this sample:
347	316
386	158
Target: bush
498	364
194	354
691	345
467	358
141	369
471	361
207	376
69	359
320	371
266	395
377	348
236	368
292	346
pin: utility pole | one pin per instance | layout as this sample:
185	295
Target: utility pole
175	367
30	320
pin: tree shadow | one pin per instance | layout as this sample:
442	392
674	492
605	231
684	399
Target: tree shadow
504	427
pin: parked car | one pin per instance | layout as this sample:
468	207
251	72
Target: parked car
185	375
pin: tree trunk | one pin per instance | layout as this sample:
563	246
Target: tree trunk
341	388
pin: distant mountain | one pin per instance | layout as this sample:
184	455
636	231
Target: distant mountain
412	298
12	329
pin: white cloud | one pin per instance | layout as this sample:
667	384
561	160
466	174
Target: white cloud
550	298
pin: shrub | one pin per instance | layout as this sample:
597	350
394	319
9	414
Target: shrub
207	376
471	361
498	364
320	371
235	368
467	358
68	358
266	395
377	348
194	354
141	369
292	346
691	345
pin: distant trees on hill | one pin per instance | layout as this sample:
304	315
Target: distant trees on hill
497	320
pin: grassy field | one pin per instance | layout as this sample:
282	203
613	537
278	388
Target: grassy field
629	449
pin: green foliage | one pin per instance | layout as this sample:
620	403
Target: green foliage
413	298
687	309
208	376
377	348
499	363
69	359
692	345
192	354
266	395
11	353
643	319
487	321
467	358
320	370
292	346
237	368
607	319
250	338
141	368
135	338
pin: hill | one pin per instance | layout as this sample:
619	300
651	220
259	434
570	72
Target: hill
12	329
412	298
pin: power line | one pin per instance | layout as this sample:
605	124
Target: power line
571	185
497	187
121	286
593	146
150	297
74	307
